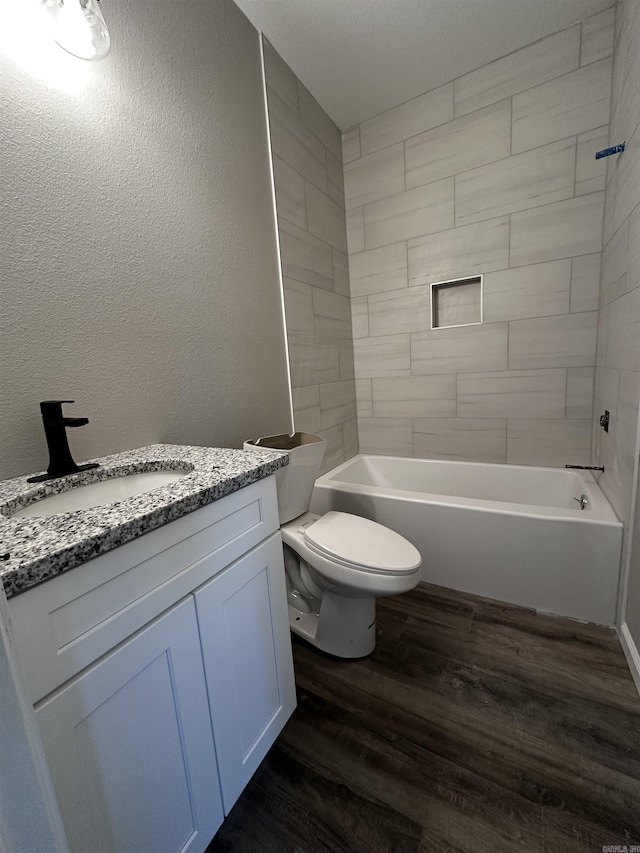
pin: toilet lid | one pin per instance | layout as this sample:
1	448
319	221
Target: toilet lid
357	541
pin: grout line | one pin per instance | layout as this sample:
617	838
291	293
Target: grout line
580	46
511	126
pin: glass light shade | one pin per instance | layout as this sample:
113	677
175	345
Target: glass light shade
79	28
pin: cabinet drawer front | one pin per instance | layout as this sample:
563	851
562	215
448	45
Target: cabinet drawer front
130	748
246	646
67	623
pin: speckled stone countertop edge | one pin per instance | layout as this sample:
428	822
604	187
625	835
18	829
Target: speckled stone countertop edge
42	548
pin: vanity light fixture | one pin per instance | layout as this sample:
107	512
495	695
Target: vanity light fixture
79	27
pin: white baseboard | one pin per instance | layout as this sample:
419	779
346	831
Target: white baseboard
631	652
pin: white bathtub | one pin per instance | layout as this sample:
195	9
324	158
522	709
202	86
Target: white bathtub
509	532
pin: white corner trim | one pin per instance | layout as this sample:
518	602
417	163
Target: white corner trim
631	652
283	309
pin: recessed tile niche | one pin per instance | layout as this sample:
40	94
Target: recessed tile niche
456	303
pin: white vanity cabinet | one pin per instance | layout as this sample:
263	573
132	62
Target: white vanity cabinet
161	673
246	646
130	747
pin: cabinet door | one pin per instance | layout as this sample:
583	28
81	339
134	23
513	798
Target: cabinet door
246	646
130	746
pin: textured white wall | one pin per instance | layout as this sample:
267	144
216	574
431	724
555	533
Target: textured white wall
138	271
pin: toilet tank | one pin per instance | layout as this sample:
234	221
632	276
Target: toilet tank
294	483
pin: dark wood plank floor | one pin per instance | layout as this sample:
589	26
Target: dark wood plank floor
474	727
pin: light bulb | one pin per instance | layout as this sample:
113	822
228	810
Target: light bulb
79	28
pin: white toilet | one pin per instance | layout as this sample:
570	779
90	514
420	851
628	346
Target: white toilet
336	564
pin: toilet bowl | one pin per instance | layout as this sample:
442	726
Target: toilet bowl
336	564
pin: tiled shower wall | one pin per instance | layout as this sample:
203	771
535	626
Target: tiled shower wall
493	173
618	371
307	163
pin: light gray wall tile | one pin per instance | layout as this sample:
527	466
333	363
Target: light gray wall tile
614	265
326	218
559	230
280	78
548	442
340	272
408	214
388	356
319	122
591	173
290	199
350	433
298	307
633	252
606	390
625	113
374	176
399	311
335	181
378	270
545	59
292	141
304	257
539	290
360	317
465	348
477	248
334	453
580	392
511	394
364	398
585	283
415	396
408	119
461	144
618	449
386	436
517	183
603	332
313	360
571	104
629	403
345	356
472	439
627	179
351	144
597	36
355	230
623	332
337	403
568	340
332	314
609	215
306	408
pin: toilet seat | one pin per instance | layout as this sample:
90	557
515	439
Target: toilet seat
359	543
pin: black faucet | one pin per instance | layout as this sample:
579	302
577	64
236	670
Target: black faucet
55	429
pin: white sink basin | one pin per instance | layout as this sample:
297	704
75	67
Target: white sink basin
100	493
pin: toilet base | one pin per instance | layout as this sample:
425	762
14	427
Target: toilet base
344	627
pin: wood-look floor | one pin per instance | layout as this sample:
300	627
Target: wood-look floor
474	727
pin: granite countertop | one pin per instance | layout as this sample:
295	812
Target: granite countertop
40	548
